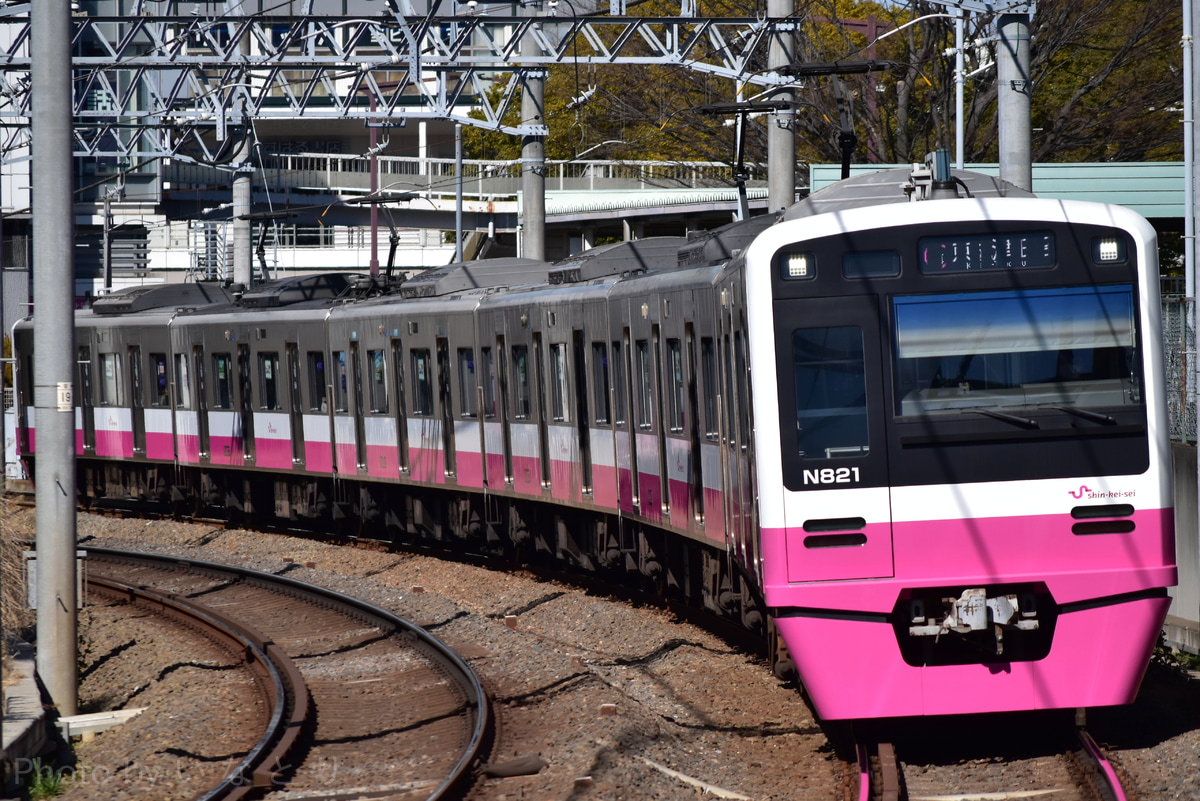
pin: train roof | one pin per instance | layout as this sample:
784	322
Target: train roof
162	297
298	289
720	244
464	276
618	259
897	186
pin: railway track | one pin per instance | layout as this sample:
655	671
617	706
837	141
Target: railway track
1076	772
362	701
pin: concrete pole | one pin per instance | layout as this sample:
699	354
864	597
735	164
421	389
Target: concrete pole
533	155
1191	34
1014	88
458	205
54	342
243	241
781	136
960	80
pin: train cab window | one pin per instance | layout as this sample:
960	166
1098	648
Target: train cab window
983	352
520	368
316	381
183	382
466	381
644	375
162	382
487	363
708	366
341	382
268	376
377	381
619	384
110	381
558	382
222	381
422	376
831	392
600	386
674	385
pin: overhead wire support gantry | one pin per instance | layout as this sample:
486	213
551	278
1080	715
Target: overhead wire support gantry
145	82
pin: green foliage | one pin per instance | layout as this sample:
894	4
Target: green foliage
1106	87
45	781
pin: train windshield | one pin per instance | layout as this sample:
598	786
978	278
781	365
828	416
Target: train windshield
1063	348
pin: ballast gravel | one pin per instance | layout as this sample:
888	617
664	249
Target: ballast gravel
594	697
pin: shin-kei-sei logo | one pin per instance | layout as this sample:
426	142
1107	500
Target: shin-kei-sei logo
1085	491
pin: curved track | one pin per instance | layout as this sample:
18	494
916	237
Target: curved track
376	705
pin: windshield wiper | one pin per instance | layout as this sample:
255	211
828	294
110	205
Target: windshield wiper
1095	417
1023	422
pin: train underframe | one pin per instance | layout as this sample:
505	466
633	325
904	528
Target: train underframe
607	547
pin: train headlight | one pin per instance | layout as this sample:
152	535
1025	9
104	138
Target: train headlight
798	265
1108	250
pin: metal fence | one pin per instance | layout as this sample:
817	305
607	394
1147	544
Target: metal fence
1179	348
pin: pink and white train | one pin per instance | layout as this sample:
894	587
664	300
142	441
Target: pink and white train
913	431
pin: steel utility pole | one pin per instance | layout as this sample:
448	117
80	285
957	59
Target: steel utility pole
54	342
242	196
1013	99
781	136
533	154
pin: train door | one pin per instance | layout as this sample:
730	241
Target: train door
295	403
731	476
583	416
202	429
358	409
398	390
692	423
505	412
626	453
660	423
540	383
832	437
445	403
246	401
137	401
86	408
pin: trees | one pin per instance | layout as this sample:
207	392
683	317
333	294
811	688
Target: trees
1106	83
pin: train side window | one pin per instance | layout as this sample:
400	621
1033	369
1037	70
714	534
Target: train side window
183	382
268	374
162	381
831	392
377	381
708	365
341	382
675	385
466	381
487	362
110	380
422	375
600	384
619	384
222	381
741	374
316	381
558	383
520	366
644	375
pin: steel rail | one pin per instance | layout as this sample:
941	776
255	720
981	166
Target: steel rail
362	610
287	687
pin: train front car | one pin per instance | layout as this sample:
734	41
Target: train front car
961	441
